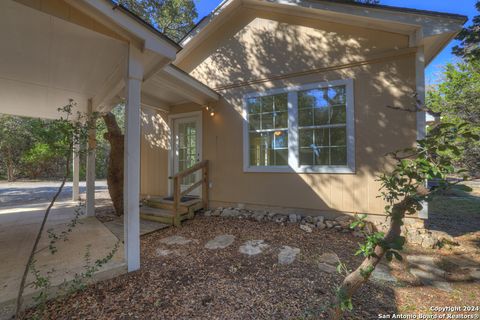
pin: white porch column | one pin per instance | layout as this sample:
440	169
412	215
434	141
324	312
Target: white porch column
421	115
420	88
76	171
131	190
91	167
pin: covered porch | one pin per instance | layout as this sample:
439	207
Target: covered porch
97	54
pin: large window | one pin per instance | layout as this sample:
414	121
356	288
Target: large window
309	128
268	130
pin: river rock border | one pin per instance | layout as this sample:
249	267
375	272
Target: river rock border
306	222
415	232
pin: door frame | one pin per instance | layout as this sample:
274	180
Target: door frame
171	156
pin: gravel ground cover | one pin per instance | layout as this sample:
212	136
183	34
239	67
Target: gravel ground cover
288	275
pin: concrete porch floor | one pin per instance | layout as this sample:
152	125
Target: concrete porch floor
18	227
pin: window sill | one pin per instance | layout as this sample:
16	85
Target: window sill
302	169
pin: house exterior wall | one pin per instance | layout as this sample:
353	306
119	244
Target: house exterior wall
275	51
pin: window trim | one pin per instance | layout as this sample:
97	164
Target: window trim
293	146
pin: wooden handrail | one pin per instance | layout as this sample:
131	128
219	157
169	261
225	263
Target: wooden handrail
190	170
178	193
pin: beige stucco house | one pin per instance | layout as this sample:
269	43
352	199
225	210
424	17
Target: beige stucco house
287	100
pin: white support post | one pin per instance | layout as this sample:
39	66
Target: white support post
421	115
91	167
420	88
131	190
76	171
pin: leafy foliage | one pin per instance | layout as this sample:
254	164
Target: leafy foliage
174	18
457	99
469	38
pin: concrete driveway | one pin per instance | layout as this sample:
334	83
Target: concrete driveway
14	193
22	206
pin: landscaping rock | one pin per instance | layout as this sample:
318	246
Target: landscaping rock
430	279
293	218
207	213
329	258
309	219
253	247
163	252
258	216
175	240
382	274
287	255
329	224
217	212
327	268
319	219
230	213
320	225
280	218
306	227
220	242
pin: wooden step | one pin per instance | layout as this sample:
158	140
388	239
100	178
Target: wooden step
161	210
162	215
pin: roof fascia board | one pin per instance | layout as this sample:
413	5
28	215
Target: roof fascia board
127	25
173	72
431	24
400	28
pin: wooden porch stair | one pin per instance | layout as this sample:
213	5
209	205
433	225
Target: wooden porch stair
161	210
179	207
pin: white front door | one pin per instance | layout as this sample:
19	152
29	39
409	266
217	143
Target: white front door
187	149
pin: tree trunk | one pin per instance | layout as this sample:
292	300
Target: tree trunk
10	170
357	278
115	137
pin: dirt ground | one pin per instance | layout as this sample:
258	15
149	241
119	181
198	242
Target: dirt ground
193	282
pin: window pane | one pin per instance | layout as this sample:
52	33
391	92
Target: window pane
254	121
306	157
321	116
305	137
321	156
267	121
315	98
339	156
253	105
281	102
339	115
321	137
338	136
269	148
280	139
281	120
305	117
279	157
267	104
336	95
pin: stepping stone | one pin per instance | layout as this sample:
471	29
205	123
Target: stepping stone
164	252
220	242
327	268
175	240
430	279
329	258
287	255
382	273
253	247
424	268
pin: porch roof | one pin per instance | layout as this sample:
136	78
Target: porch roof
53	51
